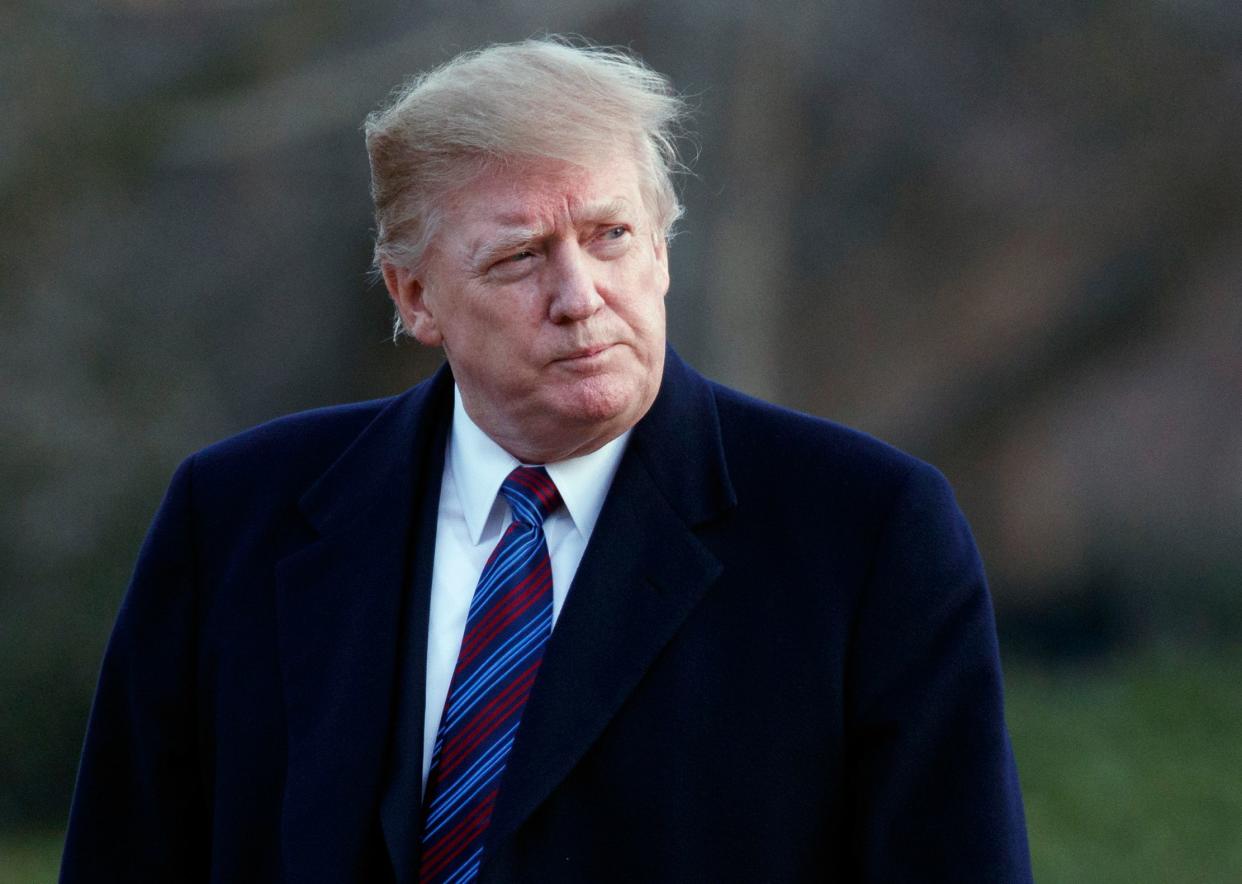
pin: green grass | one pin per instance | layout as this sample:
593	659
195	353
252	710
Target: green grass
30	858
1132	770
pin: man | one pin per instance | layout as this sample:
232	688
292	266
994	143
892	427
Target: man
567	611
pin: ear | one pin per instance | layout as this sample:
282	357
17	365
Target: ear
409	297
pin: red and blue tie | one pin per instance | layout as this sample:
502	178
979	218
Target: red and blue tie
508	625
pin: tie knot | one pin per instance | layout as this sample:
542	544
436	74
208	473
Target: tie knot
531	494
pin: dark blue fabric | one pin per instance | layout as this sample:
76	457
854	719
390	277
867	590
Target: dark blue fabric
777	662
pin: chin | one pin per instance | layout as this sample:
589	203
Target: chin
604	400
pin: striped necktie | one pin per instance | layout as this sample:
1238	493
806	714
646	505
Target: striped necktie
508	625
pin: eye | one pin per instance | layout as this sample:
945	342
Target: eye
510	265
612	240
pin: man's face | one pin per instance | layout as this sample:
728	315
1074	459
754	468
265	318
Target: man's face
545	285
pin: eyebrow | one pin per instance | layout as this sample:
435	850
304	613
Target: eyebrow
517	231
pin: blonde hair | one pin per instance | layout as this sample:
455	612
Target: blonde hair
541	98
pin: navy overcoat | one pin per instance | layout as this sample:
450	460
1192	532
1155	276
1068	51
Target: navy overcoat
777	662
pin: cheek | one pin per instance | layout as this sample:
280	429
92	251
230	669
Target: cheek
510	342
661	278
648	305
642	289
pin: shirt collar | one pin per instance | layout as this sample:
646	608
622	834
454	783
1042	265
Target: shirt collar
480	466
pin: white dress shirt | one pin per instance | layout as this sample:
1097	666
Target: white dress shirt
472	517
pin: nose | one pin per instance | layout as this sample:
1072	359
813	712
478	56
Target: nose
574	295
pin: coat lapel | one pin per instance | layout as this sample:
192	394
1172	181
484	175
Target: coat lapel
340	604
401	804
643	572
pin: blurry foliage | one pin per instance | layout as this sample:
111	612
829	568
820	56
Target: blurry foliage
1130	769
28	858
1003	236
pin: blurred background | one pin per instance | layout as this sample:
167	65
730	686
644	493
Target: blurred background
1006	237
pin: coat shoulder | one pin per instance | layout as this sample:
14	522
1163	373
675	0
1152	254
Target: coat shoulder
798	450
301	444
271	465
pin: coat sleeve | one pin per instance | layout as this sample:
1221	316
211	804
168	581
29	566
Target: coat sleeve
138	812
934	784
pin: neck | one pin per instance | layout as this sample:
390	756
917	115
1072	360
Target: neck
529	452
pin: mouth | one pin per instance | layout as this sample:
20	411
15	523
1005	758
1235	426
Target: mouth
585	355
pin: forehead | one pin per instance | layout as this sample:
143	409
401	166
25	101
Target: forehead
541	194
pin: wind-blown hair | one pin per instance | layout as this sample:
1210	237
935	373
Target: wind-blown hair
538	99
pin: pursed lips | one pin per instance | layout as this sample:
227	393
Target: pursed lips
584	353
